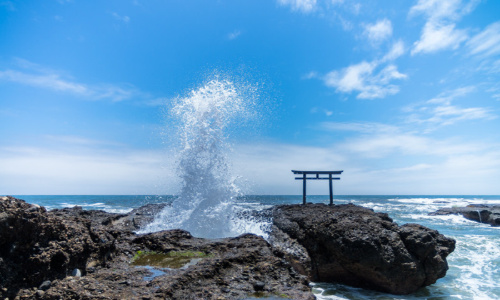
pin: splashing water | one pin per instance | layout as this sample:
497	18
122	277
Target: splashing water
205	204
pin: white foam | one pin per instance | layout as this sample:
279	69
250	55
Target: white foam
476	260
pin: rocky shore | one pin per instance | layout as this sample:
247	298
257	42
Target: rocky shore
78	254
356	246
482	213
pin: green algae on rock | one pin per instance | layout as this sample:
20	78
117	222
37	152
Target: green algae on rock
171	260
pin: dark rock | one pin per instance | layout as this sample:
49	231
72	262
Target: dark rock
139	217
482	213
355	246
259	286
45	285
36	247
39	248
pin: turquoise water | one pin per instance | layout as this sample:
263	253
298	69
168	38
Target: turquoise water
474	265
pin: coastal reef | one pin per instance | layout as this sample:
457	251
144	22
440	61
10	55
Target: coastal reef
482	213
73	253
77	254
353	245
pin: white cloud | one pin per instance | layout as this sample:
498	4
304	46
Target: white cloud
439	32
78	140
8	5
397	49
267	167
299	5
439	111
486	42
437	9
310	75
375	147
361	127
437	37
233	35
383	160
45	78
361	78
374	163
379	31
327	112
29	170
124	19
351	78
49	81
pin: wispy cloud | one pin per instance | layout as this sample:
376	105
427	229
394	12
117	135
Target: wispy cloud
316	110
233	35
310	75
360	127
439	31
379	31
124	19
397	49
37	170
42	77
383	144
49	81
487	42
370	80
437	37
9	5
437	10
78	141
363	79
440	111
300	5
384	161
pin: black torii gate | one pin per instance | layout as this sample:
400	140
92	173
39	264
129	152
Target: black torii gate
304	178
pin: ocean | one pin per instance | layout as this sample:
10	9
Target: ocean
474	266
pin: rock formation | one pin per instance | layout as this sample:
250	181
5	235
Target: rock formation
73	253
77	254
482	213
353	245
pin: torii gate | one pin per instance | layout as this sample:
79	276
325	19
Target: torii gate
317	177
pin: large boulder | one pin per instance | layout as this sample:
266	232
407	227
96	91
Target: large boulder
35	247
482	213
78	254
353	245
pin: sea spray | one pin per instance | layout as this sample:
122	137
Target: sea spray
204	206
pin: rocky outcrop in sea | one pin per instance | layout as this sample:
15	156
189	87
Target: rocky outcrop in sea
353	245
89	254
482	213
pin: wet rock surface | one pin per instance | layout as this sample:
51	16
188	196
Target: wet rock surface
482	213
353	245
40	251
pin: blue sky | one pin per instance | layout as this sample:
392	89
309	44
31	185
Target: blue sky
404	96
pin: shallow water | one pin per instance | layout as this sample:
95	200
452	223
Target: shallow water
474	265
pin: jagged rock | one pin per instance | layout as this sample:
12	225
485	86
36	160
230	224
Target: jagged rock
482	213
39	250
35	247
353	245
132	221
